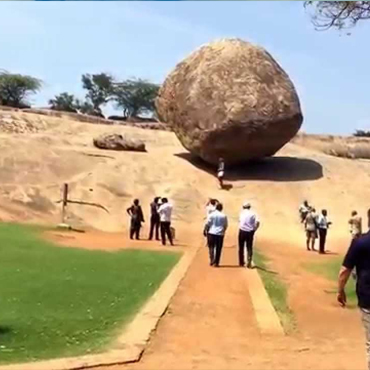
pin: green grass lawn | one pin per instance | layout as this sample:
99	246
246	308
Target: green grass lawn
277	291
329	268
57	301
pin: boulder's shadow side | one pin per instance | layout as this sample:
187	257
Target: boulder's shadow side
287	169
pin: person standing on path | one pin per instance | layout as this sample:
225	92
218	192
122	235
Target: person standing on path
165	215
303	210
221	172
215	230
323	224
310	224
358	257
154	219
248	225
137	217
355	223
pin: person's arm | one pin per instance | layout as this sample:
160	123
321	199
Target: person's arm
142	215
349	263
257	223
129	211
207	225
343	277
226	223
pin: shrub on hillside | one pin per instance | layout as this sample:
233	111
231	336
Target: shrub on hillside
361	133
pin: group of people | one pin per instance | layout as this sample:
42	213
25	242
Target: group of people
215	230
315	226
160	220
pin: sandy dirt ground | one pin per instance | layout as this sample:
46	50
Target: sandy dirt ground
210	323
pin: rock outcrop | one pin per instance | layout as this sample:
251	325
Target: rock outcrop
230	99
119	142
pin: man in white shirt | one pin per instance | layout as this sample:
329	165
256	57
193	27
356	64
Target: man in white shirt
215	229
323	224
248	225
165	214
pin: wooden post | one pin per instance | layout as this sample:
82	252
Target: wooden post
65	202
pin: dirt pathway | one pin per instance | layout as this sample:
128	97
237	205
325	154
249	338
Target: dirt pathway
210	324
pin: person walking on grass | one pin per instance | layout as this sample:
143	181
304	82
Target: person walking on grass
215	230
310	224
165	216
358	257
221	172
355	224
137	217
154	219
248	225
323	225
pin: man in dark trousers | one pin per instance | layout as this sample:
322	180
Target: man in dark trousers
358	257
215	230
137	217
154	219
323	224
248	225
165	215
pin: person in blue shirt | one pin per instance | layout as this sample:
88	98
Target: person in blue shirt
215	230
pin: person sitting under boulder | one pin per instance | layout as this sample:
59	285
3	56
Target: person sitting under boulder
221	172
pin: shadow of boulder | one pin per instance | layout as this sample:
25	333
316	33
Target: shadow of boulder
286	169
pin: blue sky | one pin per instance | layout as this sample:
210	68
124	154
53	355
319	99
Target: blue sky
58	41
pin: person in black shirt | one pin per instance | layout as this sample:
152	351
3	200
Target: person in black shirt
137	217
154	219
358	257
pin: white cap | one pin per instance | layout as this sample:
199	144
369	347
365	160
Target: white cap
246	205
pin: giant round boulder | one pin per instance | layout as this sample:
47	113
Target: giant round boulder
230	99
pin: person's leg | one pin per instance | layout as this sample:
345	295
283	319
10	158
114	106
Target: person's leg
157	229
313	239
221	181
219	245
241	240
152	225
132	229
168	232
366	324
308	240
163	233
211	248
322	233
250	238
137	233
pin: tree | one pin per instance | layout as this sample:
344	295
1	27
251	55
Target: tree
362	133
99	89
16	88
135	97
65	102
338	14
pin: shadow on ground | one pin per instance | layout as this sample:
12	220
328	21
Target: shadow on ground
288	169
